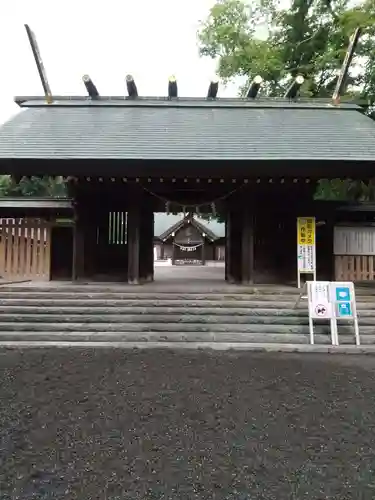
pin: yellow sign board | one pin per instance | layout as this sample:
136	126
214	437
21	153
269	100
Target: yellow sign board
306	231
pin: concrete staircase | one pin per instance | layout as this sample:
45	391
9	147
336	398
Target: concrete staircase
76	314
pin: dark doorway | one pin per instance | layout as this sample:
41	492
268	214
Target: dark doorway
61	253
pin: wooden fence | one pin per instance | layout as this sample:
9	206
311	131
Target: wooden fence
25	249
355	267
354	248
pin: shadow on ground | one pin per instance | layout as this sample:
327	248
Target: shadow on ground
114	424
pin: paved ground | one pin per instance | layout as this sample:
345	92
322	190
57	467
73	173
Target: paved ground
168	276
115	424
183	274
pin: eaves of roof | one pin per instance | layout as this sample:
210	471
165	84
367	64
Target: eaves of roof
180	132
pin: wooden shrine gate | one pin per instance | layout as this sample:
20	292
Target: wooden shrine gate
25	249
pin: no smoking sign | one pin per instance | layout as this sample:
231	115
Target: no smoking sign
321	311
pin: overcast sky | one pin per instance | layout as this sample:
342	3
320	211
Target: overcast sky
149	39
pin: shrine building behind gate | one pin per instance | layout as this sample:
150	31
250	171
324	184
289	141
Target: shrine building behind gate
188	240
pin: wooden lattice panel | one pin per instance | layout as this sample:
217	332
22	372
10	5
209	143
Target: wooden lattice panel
355	267
25	249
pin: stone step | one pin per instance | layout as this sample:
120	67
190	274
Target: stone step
218	337
174	327
366	316
181	295
143	303
160	310
157	318
144	296
161	296
163	288
263	347
207	303
151	318
152	289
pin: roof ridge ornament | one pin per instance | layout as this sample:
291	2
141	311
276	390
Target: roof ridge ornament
341	80
254	87
294	88
131	86
90	87
213	89
172	87
39	64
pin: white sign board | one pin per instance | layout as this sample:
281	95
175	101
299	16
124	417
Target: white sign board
306	254
320	306
306	259
318	294
333	301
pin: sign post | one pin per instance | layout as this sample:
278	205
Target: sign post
332	301
345	306
320	306
306	254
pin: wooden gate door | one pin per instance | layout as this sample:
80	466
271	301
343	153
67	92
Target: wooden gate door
111	244
25	249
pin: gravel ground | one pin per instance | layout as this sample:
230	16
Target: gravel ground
114	424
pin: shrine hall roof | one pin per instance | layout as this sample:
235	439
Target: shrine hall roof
166	224
187	129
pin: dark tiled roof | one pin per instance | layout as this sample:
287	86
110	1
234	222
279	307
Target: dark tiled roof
227	130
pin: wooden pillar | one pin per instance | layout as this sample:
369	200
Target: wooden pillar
150	253
247	246
239	254
90	244
173	252
227	248
140	237
146	264
78	247
234	245
133	234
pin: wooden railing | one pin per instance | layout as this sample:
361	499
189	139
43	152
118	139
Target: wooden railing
355	267
25	249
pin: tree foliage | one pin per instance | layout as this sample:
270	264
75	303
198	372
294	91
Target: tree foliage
310	38
51	187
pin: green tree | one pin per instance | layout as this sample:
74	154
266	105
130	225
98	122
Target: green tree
310	38
50	187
